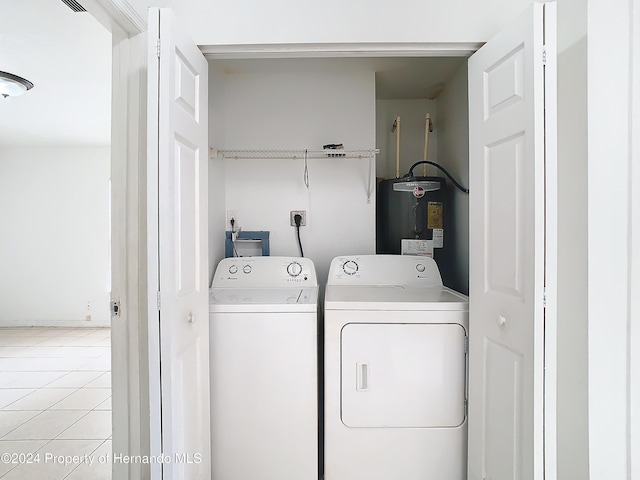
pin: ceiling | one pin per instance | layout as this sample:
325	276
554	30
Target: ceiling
67	56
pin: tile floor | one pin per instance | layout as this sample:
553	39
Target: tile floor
55	403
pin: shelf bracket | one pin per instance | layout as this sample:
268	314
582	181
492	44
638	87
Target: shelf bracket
370	183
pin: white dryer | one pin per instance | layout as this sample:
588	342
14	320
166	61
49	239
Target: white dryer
395	370
264	369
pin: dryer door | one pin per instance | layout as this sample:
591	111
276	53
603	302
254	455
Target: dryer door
403	375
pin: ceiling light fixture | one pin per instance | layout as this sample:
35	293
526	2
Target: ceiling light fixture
12	85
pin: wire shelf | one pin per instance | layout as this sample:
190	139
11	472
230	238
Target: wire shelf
295	154
303	155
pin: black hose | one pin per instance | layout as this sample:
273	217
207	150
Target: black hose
297	219
453	180
299	241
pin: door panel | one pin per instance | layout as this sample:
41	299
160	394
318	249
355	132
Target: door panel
504	83
507	256
403	376
187	224
178	151
504	182
502	416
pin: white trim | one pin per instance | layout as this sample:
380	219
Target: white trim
152	244
129	364
116	14
130	368
331	50
633	455
126	13
551	243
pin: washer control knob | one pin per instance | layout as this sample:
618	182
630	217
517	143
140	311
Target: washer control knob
246	269
420	267
350	267
294	269
233	269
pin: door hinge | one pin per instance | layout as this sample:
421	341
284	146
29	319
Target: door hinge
158	47
466	344
544	298
115	308
544	55
158	300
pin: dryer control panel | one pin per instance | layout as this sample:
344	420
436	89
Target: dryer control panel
264	272
380	270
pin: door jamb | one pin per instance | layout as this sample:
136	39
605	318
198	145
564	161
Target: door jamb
633	400
130	362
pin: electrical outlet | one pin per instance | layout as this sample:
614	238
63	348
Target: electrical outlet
302	213
236	224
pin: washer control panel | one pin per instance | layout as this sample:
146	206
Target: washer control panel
294	269
383	270
264	272
350	267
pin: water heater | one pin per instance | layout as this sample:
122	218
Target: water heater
416	208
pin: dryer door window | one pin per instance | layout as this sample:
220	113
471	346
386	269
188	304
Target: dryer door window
403	375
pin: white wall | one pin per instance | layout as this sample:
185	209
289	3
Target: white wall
572	22
217	174
453	154
54	242
609	165
634	261
296	111
572	330
288	21
412	123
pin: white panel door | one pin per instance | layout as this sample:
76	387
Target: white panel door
507	251
180	85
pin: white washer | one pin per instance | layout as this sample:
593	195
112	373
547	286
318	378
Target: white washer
395	343
264	369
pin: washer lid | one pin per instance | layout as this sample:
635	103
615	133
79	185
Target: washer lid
263	299
394	297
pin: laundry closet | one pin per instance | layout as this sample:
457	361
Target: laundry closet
278	108
268	120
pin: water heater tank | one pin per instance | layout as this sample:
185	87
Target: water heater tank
416	208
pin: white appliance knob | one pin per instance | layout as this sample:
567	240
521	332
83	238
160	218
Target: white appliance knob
294	269
246	269
233	269
420	267
350	267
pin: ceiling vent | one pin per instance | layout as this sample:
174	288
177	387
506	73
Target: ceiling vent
73	5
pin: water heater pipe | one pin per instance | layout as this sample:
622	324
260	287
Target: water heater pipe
396	129
427	129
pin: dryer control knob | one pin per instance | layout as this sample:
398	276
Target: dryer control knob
233	269
246	269
294	269
420	267
350	267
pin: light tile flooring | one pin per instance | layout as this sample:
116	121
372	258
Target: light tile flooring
55	403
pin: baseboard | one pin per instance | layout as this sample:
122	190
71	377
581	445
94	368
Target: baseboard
95	323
